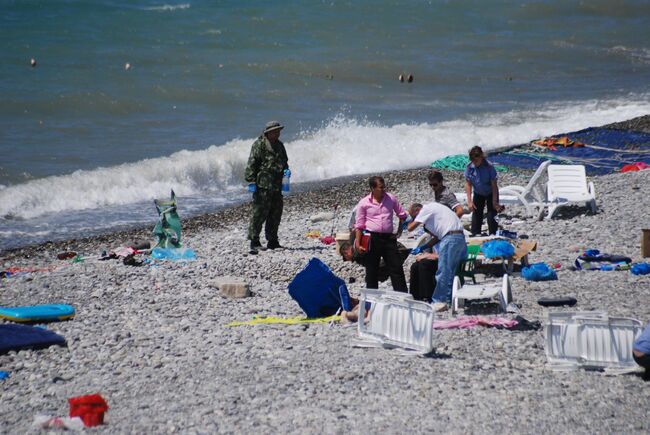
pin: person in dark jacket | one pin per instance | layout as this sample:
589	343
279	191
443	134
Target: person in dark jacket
266	165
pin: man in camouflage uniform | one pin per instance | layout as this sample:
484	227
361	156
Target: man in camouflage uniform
266	165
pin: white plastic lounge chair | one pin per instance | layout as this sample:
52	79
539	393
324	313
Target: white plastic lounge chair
481	291
531	196
568	184
394	319
590	339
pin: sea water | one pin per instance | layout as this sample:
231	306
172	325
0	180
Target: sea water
131	99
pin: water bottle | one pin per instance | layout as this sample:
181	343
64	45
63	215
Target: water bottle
252	187
285	180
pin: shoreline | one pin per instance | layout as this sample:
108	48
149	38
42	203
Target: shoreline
237	212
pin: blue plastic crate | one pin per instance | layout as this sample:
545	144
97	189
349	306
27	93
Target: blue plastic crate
316	289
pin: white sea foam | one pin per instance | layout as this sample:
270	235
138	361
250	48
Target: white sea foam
168	7
637	54
342	147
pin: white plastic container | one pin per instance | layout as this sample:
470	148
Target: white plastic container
590	339
395	319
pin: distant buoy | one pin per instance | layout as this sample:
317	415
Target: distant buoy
401	78
410	78
33	63
127	66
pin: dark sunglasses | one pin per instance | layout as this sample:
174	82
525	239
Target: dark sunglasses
434	184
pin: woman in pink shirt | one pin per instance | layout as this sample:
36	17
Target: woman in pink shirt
375	215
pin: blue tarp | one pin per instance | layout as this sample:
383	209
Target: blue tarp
606	151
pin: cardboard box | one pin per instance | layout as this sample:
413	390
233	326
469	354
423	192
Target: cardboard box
340	238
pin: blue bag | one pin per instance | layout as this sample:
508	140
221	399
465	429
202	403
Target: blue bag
538	272
641	269
174	254
497	248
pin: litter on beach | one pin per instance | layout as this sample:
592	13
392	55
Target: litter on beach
90	408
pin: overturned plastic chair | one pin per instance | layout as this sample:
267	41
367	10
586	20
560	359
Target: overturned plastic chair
567	184
461	293
394	319
590	339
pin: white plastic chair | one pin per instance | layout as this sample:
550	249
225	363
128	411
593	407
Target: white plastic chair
394	319
531	196
568	184
481	291
590	339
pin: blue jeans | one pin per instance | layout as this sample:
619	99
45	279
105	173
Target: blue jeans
452	249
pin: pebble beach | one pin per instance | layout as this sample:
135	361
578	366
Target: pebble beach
153	340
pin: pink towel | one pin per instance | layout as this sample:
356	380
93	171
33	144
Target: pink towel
465	322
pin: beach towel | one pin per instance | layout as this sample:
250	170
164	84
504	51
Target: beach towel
464	322
592	259
17	337
271	320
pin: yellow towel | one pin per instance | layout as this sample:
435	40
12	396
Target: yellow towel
270	320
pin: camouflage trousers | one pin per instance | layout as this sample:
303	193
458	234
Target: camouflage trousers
267	207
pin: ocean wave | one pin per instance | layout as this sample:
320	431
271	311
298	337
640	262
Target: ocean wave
168	8
636	54
342	146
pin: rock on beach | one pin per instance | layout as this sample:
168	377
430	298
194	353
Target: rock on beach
152	340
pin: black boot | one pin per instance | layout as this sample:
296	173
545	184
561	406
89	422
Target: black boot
273	244
256	246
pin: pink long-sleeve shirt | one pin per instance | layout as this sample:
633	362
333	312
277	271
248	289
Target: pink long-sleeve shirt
377	217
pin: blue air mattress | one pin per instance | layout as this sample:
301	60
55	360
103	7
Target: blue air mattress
18	337
37	313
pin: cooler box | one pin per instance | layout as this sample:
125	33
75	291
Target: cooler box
316	289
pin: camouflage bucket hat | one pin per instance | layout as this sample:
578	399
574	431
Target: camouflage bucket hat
273	125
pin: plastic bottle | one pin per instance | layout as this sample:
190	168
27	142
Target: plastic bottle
285	180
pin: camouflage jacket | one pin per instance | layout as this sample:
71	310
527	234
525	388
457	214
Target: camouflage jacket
266	164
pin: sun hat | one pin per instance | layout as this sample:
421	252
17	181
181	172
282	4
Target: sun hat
273	125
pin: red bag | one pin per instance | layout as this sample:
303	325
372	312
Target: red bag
90	409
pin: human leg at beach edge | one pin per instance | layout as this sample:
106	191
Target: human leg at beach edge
259	214
422	279
394	264
452	250
276	206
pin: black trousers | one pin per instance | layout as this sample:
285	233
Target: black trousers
480	201
643	361
383	245
423	279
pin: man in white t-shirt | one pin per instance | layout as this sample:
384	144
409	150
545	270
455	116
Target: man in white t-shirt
447	230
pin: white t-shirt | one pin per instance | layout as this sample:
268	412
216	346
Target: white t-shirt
438	219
